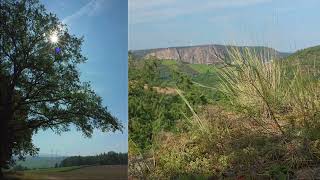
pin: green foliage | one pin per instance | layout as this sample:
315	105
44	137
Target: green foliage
38	88
19	168
309	56
40	161
279	172
149	110
171	63
203	68
205	77
155	106
263	122
110	158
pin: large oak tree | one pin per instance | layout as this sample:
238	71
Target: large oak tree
40	86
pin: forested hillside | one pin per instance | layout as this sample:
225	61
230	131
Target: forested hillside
245	118
110	158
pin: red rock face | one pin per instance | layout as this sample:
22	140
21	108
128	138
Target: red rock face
206	54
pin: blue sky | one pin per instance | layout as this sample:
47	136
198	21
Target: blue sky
104	25
286	25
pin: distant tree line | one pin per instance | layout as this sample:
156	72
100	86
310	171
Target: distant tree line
19	167
110	158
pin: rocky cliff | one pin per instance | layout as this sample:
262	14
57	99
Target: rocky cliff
205	54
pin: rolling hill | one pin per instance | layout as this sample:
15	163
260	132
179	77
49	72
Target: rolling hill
41	161
308	56
206	72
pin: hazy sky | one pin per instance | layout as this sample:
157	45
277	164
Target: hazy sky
286	25
104	24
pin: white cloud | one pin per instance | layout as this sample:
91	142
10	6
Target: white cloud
90	9
145	11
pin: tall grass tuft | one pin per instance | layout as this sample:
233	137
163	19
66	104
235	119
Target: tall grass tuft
273	92
281	96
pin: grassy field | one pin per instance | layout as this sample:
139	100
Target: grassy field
116	172
203	68
201	73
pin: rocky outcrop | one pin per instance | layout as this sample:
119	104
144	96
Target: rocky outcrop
205	54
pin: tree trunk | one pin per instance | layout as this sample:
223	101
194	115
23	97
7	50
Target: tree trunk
1	174
3	159
6	115
5	150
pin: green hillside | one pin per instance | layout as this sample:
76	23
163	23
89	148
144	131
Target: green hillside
309	56
200	73
40	161
244	120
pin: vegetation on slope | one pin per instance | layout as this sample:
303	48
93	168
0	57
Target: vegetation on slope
110	158
39	162
264	122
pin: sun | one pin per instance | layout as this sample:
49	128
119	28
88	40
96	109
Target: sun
54	37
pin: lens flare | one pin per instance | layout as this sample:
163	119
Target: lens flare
54	37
